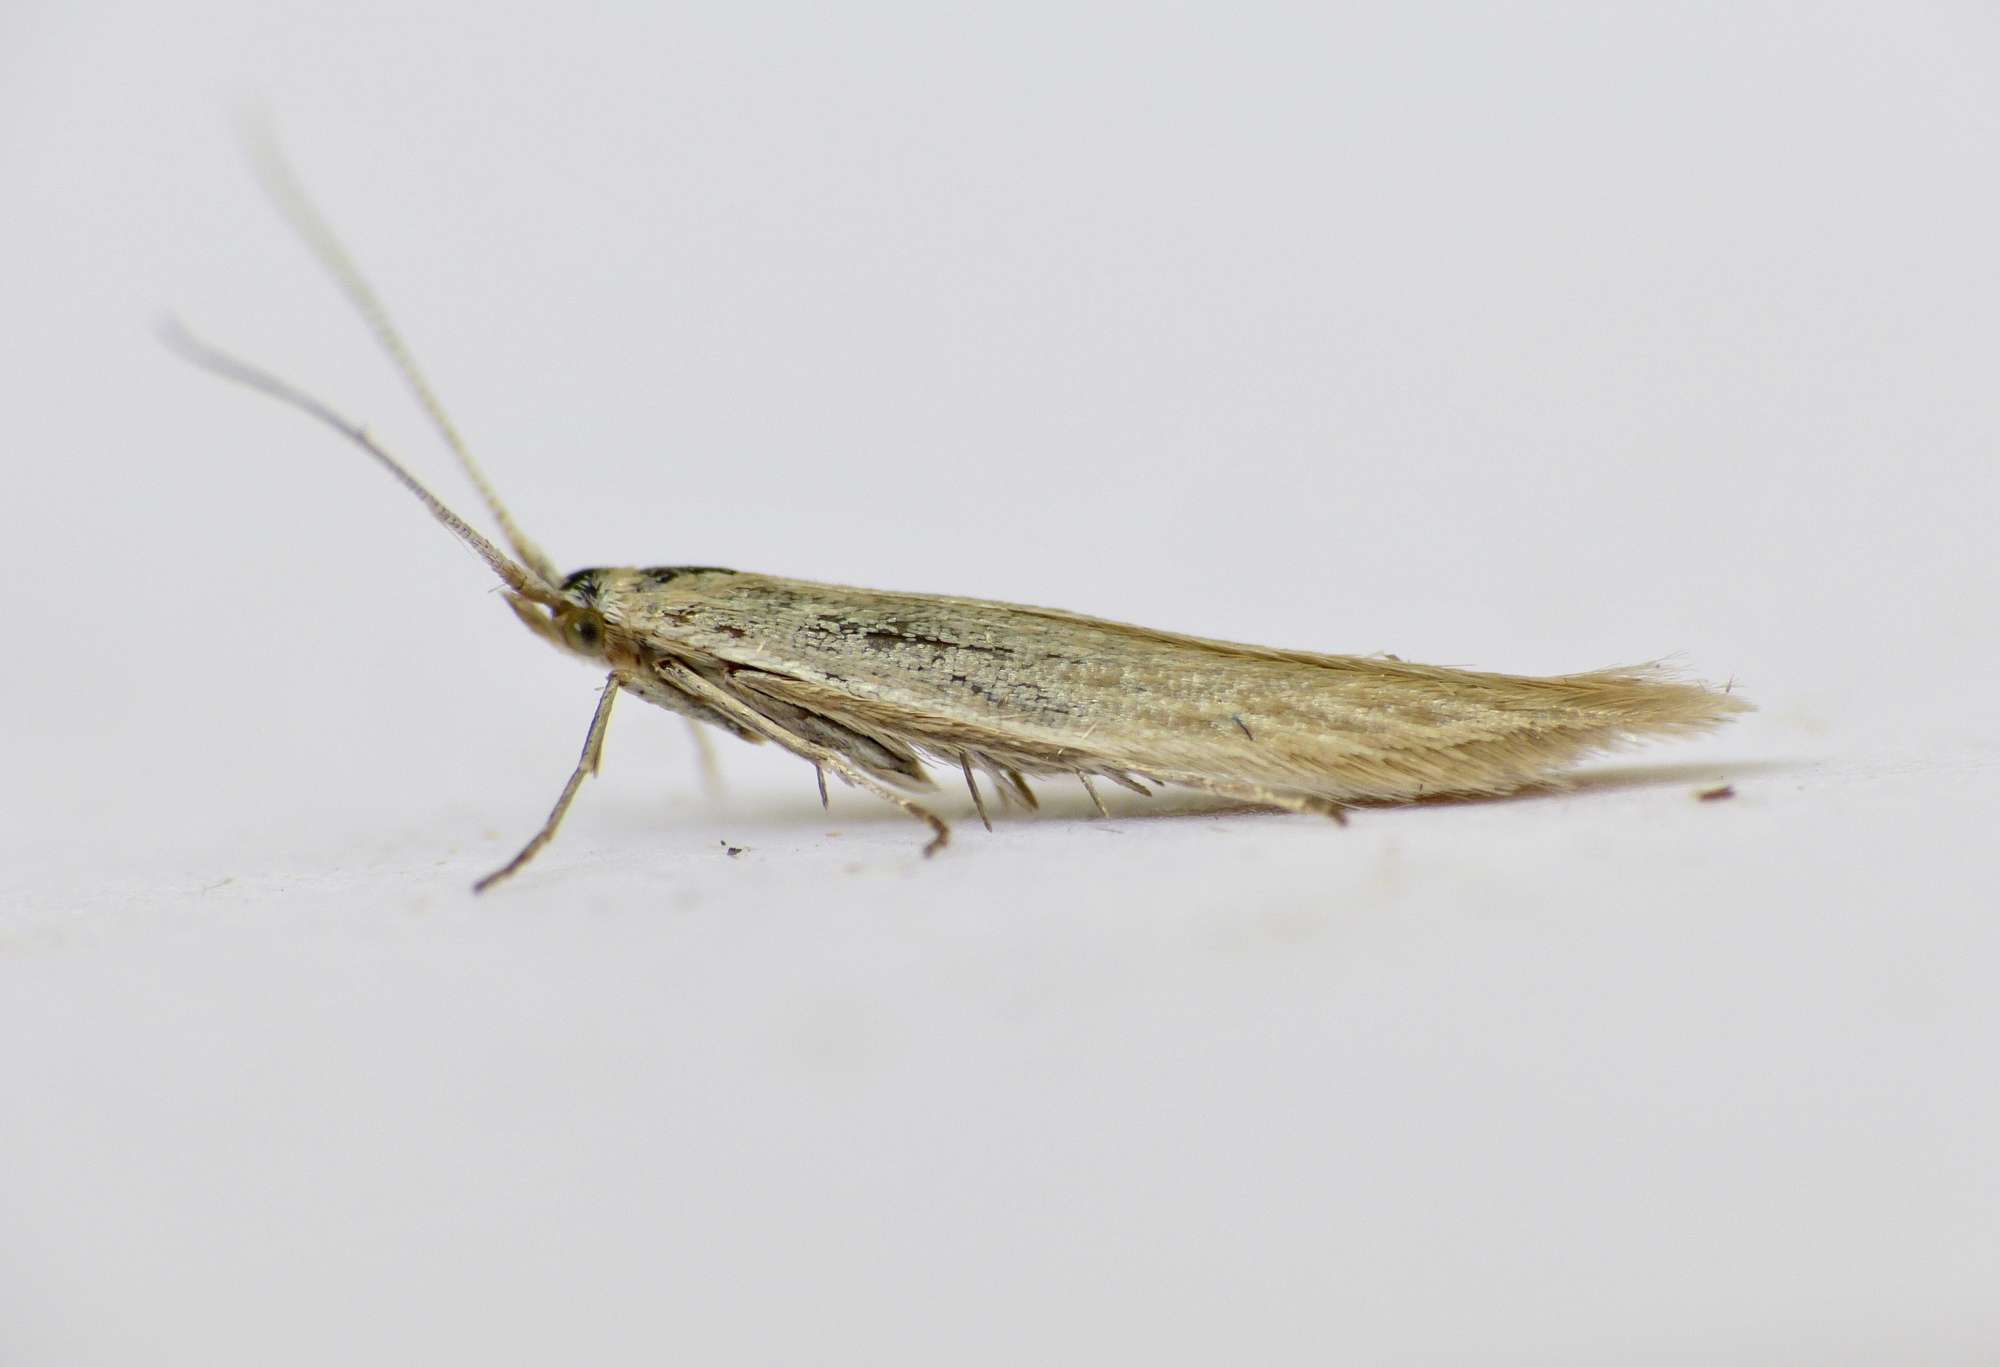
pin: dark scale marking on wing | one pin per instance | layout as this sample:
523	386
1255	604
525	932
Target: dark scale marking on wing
892	634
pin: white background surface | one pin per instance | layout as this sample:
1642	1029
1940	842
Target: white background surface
1533	338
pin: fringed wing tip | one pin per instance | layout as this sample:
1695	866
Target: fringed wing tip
1659	696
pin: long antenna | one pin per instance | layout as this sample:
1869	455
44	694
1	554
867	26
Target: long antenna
286	191
220	362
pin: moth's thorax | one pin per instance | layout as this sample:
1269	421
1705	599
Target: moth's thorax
622	615
615	591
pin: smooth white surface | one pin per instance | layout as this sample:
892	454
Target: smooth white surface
1531	338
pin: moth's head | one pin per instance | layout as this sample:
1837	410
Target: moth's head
573	622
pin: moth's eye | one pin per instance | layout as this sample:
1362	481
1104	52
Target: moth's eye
584	635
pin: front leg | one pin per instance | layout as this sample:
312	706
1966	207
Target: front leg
593	750
727	703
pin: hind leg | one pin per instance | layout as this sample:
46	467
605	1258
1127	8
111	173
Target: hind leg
1264	797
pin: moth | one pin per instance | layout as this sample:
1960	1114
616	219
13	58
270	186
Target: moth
871	686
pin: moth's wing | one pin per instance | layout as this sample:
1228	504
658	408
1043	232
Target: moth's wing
1040	691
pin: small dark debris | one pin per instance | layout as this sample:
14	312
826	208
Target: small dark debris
733	850
1716	794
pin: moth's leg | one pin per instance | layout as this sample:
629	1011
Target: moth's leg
593	751
1022	790
1095	800
711	773
1265	797
820	774
819	755
978	802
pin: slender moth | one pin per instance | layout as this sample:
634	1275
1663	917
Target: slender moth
871	685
